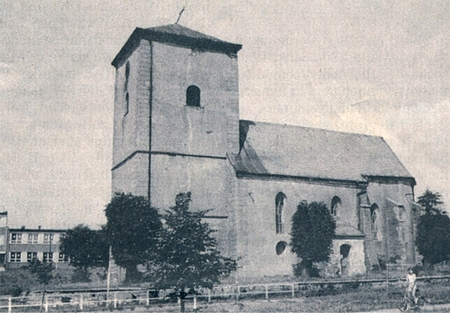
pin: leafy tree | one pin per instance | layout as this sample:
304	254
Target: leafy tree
85	248
430	202
189	258
433	230
42	270
133	229
312	233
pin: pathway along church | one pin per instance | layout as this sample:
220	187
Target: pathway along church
177	129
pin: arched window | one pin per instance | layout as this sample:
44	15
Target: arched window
193	96
374	220
335	205
279	204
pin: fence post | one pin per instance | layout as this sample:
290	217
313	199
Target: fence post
209	295
9	305
237	293
195	302
46	303
267	292
115	299
148	297
81	301
293	290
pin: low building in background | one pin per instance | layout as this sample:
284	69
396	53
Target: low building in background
25	245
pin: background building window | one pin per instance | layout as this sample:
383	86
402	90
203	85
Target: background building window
193	96
48	238
62	257
15	257
16	238
31	256
48	257
32	238
279	204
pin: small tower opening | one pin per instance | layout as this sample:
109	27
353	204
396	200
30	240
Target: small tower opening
193	96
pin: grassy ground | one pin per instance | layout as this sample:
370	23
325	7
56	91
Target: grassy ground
363	299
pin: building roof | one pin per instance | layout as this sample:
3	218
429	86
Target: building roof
178	35
37	230
294	151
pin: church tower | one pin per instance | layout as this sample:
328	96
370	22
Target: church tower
176	116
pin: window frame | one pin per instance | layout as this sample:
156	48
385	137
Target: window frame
16	238
34	238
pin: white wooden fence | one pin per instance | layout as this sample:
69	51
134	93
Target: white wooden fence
54	301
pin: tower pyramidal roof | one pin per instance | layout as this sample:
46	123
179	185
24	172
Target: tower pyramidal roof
177	35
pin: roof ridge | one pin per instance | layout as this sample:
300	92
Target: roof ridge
313	128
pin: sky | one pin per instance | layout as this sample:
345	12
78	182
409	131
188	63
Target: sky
373	67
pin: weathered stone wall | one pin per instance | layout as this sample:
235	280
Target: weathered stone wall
355	259
131	130
132	176
396	239
257	238
211	129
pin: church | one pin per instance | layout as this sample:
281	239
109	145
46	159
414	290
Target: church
177	129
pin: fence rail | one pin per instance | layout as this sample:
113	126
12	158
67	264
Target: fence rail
56	301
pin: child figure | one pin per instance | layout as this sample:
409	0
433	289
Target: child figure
411	285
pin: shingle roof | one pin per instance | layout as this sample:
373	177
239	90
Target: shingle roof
274	149
178	35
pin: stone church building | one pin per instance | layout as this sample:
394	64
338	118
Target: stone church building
177	129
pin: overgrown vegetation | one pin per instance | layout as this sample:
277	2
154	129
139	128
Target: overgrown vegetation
433	231
188	257
312	234
133	230
86	248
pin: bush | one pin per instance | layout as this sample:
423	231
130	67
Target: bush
15	281
81	275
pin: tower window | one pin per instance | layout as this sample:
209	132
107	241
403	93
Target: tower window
127	103
193	96
279	204
127	74
127	95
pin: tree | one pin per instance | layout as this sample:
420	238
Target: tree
85	248
433	230
430	202
189	257
312	233
133	229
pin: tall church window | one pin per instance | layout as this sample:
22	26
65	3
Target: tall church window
335	205
193	96
374	221
279	204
